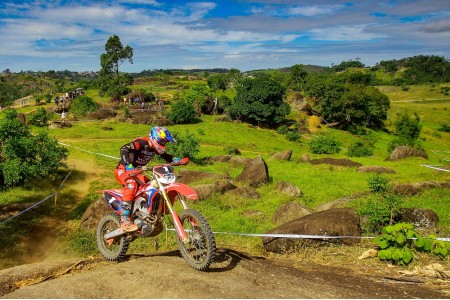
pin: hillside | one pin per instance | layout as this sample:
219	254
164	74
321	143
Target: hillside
51	232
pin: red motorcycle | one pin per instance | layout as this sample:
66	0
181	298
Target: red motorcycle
154	200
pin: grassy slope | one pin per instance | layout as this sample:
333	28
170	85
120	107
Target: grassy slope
319	183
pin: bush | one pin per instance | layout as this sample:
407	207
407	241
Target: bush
324	145
293	136
398	241
182	112
444	128
39	118
282	129
82	105
187	145
381	209
359	149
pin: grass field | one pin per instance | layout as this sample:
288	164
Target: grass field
319	183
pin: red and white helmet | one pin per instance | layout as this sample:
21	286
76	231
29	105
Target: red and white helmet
159	136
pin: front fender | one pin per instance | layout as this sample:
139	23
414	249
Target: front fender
179	188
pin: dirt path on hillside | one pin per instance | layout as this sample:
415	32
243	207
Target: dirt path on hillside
45	233
233	275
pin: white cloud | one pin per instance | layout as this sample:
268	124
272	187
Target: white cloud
312	11
344	33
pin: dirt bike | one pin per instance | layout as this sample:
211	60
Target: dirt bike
154	200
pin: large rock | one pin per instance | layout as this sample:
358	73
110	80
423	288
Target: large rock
335	162
238	160
255	173
375	169
403	152
290	211
94	213
189	176
416	187
288	188
420	218
333	222
207	190
283	155
244	192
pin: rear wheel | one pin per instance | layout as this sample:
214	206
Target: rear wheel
200	250
112	249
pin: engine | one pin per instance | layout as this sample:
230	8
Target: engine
148	225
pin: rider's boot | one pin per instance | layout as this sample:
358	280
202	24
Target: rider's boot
125	218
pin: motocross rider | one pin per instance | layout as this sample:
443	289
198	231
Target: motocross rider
136	154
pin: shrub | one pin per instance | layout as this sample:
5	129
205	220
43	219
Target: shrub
187	145
359	149
82	105
293	136
444	128
381	209
182	112
39	118
283	129
398	241
324	145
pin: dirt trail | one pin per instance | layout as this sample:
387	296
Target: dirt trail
233	275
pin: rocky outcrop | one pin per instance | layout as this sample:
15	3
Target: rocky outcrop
283	155
288	188
335	162
375	169
290	211
420	218
402	152
255	173
333	222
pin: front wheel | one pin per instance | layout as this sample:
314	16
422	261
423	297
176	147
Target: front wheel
200	249
115	248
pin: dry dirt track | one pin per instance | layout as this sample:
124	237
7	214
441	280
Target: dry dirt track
233	275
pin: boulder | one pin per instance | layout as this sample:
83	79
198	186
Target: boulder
255	172
244	192
220	158
332	222
288	188
206	190
345	162
420	218
283	155
375	169
189	176
304	158
239	160
290	211
94	213
414	188
404	151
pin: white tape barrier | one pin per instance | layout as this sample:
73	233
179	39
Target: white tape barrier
302	236
89	151
36	204
436	168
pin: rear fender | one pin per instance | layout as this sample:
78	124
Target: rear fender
179	188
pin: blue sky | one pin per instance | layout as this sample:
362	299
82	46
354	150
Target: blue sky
44	35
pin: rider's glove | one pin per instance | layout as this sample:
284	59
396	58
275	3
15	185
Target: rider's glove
176	159
129	167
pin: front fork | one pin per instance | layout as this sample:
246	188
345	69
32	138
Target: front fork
176	219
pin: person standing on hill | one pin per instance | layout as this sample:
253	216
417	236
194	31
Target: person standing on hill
139	153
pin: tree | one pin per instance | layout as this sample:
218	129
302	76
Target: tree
111	81
23	156
182	112
407	131
260	101
298	77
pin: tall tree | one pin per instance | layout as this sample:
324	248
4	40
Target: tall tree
111	81
298	77
260	101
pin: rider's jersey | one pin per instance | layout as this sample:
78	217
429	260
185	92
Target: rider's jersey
139	153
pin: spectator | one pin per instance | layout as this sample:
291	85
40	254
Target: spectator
142	105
